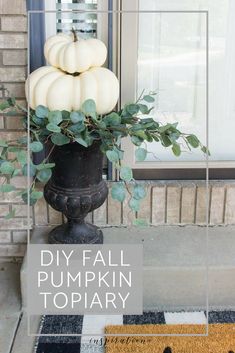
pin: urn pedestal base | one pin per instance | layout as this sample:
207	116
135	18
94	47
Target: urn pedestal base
75	232
76	188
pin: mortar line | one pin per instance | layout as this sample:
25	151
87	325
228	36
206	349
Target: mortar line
195	204
225	204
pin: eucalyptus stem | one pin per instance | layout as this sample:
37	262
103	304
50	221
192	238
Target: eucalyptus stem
125	183
84	126
43	162
140	96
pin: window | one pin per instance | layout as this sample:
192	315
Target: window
85	23
65	17
167	52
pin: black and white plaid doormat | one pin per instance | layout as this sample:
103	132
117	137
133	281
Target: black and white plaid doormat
92	327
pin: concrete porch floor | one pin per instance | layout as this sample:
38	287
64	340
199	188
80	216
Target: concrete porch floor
13	329
174	275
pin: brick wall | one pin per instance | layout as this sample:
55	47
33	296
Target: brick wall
167	202
13	53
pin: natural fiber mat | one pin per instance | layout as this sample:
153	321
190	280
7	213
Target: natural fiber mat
221	339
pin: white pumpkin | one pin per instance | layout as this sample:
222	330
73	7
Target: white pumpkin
57	90
72	54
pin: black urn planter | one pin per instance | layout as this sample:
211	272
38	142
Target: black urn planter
75	189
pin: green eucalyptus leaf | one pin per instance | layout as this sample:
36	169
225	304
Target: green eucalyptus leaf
149	99
11	214
176	149
4	152
205	150
32	170
53	128
141	134
155	125
11	101
65	115
140	222
81	141
22	157
174	125
43	166
36	195
7	188
166	142
101	124
55	117
112	119
16	172
104	147
60	139
119	152
12	113
143	108
88	138
156	138
174	136
118	192
149	136
126	173
44	133
3	143
23	140
134	204
89	107
139	192
7	168
77	128
41	111
164	128
137	127
147	121
140	154
124	113
136	140
132	109
44	175
193	141
4	105
37	121
112	155
36	146
77	117
24	196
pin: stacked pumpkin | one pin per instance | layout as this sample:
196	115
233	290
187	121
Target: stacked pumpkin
74	75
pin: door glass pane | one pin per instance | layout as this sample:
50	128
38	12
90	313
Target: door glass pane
84	23
172	61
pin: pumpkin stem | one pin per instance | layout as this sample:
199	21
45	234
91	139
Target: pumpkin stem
75	37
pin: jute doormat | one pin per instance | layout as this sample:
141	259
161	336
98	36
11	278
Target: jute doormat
221	339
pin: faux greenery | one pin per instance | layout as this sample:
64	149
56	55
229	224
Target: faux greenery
84	127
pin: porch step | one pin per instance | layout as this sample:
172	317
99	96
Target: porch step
175	258
10	304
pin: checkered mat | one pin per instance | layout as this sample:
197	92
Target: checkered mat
92	328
